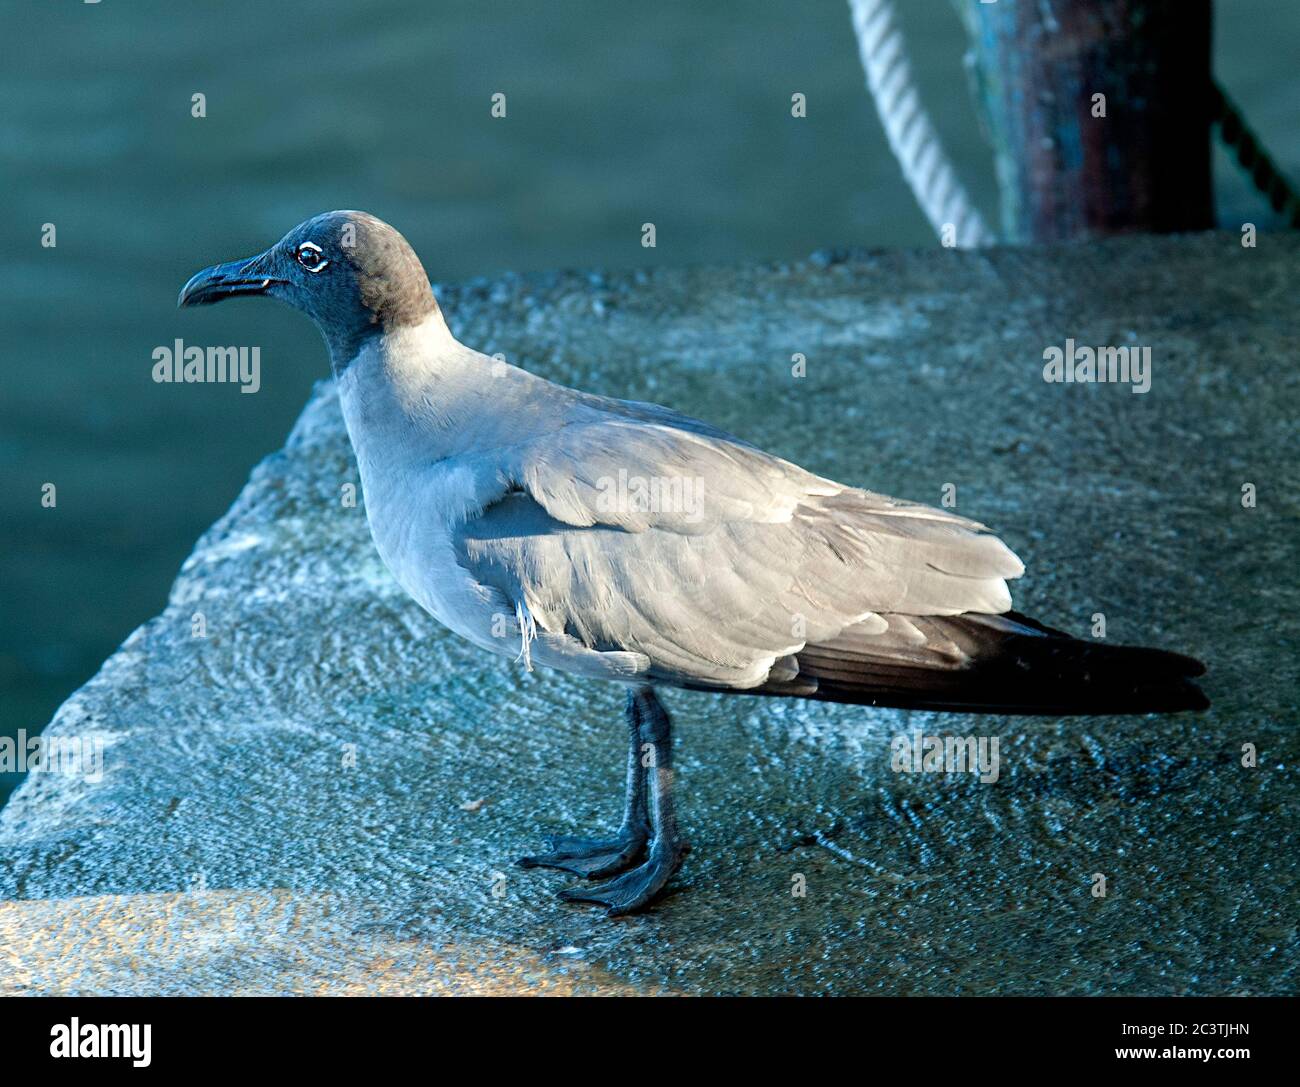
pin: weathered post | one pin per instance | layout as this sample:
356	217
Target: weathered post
1099	112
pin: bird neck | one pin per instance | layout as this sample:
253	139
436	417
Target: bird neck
348	334
415	395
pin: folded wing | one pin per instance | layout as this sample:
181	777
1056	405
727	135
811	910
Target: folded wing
719	563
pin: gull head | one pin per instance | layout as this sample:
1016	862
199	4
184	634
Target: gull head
353	274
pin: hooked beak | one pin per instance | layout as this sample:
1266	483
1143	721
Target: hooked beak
227	280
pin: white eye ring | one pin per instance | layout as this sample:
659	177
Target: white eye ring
310	247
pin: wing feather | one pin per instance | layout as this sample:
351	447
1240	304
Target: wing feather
645	532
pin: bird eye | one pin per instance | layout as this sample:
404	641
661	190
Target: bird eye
309	256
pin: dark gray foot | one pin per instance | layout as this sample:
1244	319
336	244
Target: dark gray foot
634	890
648	817
594	858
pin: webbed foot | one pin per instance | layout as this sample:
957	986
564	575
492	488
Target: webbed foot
636	889
594	858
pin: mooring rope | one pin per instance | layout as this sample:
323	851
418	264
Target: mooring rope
911	136
1252	158
930	175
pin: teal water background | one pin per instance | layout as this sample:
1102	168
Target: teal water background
617	114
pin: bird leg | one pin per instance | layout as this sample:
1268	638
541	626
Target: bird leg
597	858
636	889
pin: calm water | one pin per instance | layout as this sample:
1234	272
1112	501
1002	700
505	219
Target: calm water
616	115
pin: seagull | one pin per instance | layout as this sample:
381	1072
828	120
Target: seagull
626	542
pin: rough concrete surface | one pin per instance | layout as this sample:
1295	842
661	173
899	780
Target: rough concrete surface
290	804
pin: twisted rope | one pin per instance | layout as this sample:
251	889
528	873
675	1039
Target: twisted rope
911	136
1252	158
930	175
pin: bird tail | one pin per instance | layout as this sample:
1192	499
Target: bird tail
991	664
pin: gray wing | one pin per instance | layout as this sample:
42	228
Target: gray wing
713	559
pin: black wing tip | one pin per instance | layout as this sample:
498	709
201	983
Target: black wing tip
1192	697
1021	675
1194	667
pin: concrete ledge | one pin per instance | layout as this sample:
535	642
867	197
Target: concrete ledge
261	943
324	794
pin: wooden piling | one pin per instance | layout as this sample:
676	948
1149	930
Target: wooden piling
1099	113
